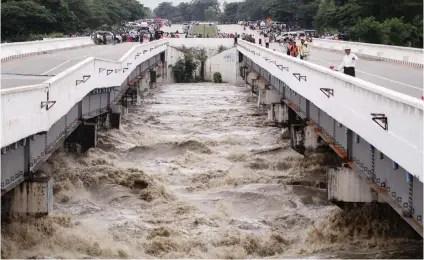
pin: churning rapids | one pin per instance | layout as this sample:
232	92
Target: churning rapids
197	172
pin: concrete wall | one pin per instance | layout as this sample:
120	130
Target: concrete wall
224	63
21	49
173	55
201	42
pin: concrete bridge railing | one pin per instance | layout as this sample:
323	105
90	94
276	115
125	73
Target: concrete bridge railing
357	104
33	109
21	49
405	55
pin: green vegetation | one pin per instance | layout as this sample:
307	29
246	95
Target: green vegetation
206	30
375	21
217	78
396	22
195	10
184	69
24	20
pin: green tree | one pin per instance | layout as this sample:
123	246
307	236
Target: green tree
210	14
24	20
230	12
369	30
184	69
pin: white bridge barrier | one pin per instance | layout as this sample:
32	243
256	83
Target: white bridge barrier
21	108
352	104
20	49
405	55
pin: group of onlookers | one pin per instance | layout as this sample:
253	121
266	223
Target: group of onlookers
291	48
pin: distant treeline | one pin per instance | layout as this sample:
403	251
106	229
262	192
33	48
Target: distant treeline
398	22
23	20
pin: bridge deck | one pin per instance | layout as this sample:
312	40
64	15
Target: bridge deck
36	69
397	77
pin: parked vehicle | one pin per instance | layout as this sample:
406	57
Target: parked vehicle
98	37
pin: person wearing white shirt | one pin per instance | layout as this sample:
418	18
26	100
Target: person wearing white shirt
348	63
266	41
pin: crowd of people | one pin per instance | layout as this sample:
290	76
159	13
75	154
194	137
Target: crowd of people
289	45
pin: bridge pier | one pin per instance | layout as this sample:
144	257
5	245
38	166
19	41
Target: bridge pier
278	113
143	87
153	77
115	120
303	137
83	138
345	186
251	78
33	197
262	88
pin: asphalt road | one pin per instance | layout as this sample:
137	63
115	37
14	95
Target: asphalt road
36	69
397	77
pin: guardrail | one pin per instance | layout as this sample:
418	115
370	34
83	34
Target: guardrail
21	49
352	103
24	111
405	55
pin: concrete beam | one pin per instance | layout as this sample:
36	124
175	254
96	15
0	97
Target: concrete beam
33	197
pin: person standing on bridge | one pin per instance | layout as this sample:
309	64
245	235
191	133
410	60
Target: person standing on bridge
348	63
304	52
266	41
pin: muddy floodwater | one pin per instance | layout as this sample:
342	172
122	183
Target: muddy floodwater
197	172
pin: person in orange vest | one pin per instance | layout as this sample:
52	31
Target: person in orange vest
294	51
289	47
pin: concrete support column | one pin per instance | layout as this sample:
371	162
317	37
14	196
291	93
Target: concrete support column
115	120
272	96
33	197
124	111
297	132
311	137
261	83
83	138
153	78
283	114
142	89
344	185
250	76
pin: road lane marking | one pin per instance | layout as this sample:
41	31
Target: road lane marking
60	65
76	58
363	72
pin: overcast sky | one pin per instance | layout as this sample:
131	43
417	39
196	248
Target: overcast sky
153	3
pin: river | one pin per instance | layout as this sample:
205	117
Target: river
196	172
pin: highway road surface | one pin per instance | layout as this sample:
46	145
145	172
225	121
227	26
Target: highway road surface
397	77
36	69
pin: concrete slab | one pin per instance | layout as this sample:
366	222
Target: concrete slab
36	69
